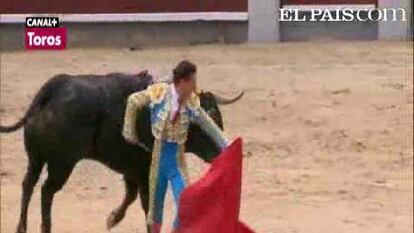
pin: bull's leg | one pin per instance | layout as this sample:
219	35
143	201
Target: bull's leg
131	193
58	174
144	197
30	179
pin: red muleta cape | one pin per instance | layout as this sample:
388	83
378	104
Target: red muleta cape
212	204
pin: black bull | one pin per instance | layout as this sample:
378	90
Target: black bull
77	117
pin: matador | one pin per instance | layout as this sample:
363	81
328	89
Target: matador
172	108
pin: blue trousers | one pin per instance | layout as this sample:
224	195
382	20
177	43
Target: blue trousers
168	171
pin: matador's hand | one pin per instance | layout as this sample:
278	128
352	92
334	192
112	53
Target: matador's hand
132	141
138	143
143	146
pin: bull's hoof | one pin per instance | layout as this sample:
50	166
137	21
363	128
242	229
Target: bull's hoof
114	218
21	229
46	229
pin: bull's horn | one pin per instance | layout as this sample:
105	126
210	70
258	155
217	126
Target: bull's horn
225	100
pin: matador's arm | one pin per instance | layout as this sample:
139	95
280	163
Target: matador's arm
136	102
200	117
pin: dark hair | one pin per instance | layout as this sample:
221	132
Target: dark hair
183	70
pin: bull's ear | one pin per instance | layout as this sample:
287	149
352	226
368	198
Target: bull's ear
143	73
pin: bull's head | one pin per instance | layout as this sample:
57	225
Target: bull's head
198	141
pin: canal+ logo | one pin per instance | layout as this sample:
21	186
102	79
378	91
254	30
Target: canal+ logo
44	33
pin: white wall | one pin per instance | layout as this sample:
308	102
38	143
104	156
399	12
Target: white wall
395	30
263	23
264	26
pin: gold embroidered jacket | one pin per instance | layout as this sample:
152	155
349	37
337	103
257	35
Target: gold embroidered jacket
158	98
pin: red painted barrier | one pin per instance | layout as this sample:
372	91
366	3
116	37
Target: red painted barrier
119	6
327	2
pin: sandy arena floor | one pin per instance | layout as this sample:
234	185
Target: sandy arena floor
328	134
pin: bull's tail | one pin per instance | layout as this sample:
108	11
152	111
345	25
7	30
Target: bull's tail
14	127
41	98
